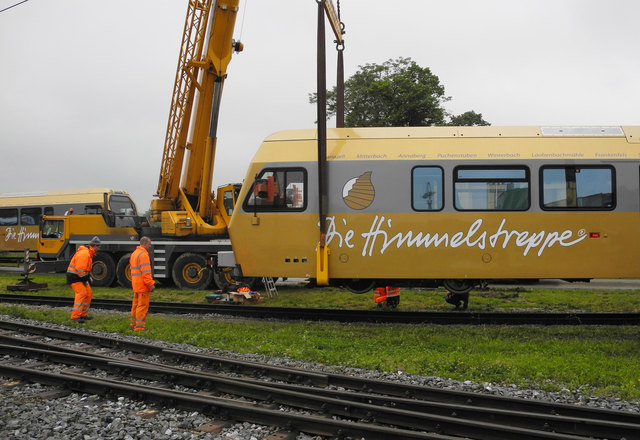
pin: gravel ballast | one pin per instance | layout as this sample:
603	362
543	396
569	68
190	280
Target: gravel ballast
33	411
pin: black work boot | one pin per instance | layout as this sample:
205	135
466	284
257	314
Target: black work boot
465	300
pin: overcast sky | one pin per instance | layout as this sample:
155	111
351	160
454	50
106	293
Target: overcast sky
85	85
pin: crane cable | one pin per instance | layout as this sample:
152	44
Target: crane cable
340	47
244	14
13	6
339	18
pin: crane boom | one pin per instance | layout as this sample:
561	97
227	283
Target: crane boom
207	47
182	99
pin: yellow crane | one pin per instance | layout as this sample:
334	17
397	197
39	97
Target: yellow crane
193	219
185	203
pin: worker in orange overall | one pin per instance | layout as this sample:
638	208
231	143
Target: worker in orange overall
142	283
387	296
78	275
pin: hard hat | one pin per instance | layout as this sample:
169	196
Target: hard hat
95	241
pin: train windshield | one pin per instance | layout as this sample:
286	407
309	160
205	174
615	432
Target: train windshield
278	190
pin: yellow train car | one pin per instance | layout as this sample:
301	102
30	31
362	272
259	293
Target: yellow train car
444	205
21	213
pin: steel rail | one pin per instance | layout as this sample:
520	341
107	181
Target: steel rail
308	399
224	408
341	315
536	421
217	362
424	393
326	379
590	427
22	342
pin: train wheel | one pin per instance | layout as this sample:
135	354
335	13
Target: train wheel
458	286
103	270
222	277
123	271
190	271
360	286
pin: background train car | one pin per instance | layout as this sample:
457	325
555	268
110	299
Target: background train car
445	205
20	214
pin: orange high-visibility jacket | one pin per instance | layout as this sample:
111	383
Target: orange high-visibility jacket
80	266
141	278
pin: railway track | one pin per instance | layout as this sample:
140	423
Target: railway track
381	316
297	400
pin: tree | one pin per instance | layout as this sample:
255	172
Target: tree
396	93
469	118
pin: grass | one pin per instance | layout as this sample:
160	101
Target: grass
496	299
598	360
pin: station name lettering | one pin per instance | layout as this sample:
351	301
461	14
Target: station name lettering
18	235
381	236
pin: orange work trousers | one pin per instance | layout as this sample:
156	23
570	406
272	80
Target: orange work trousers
139	309
82	300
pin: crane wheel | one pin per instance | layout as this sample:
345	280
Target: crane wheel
190	271
123	271
103	270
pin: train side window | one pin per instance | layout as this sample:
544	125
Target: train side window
30	216
278	190
8	217
48	210
491	189
580	188
427	188
93	209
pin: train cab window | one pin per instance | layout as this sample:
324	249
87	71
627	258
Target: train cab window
48	210
278	190
30	216
8	217
491	189
581	188
426	188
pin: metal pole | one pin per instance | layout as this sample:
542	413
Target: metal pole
322	252
322	124
340	89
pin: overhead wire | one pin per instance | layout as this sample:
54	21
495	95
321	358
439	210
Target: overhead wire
13	6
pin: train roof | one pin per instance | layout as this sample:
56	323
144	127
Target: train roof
456	143
90	195
632	133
